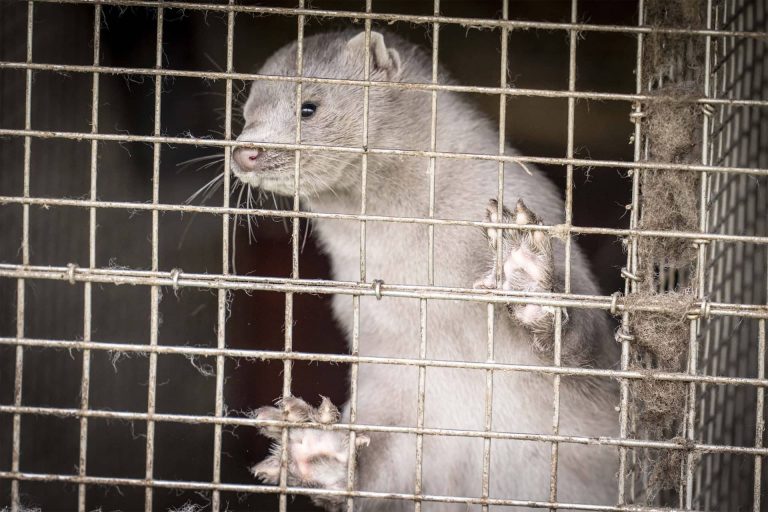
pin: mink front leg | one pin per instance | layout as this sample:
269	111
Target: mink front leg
528	265
317	458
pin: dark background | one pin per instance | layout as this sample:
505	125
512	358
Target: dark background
195	40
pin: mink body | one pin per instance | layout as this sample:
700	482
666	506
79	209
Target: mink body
456	330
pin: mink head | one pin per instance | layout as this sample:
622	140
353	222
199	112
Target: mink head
331	114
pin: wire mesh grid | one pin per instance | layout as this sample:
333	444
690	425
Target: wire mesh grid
734	348
726	362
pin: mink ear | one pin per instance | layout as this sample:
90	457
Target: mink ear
384	60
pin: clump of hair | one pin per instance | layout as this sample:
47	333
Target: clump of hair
665	467
669	203
664	332
670	196
663	52
672	68
673	123
659	405
660	344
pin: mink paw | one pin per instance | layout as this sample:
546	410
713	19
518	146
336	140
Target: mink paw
317	458
528	265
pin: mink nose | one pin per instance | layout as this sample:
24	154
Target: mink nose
246	158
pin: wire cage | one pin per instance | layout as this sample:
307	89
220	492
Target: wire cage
736	204
139	328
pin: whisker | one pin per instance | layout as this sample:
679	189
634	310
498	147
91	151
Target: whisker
251	235
187	163
233	244
208	195
306	232
199	159
317	178
213	61
216	179
210	164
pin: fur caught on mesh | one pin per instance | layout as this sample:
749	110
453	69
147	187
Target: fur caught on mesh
660	344
669	196
672	66
659	405
673	124
664	468
673	130
669	203
665	52
663	335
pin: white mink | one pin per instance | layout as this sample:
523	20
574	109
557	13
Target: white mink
397	253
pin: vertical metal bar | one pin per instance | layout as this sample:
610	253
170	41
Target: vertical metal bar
760	406
727	134
759	415
690	413
154	317
716	154
223	296
364	156
700	276
288	345
498	258
355	349
20	299
629	285
573	38
556	407
503	72
719	80
423	304
743	291
418	487
712	335
87	299
433	145
568	221
488	411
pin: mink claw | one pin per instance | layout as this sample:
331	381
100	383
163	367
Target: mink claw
315	456
527	265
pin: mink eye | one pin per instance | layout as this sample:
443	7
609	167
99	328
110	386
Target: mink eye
308	109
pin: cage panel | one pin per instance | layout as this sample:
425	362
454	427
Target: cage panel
182	330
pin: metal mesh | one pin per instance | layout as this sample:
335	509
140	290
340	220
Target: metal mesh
724	448
736	273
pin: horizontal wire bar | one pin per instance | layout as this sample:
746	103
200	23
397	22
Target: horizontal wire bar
420	19
178	278
509	91
198	419
578	162
276	489
275	355
558	230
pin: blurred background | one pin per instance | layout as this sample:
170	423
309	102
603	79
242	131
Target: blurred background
196	40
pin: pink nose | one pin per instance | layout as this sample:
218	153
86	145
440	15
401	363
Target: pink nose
246	158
